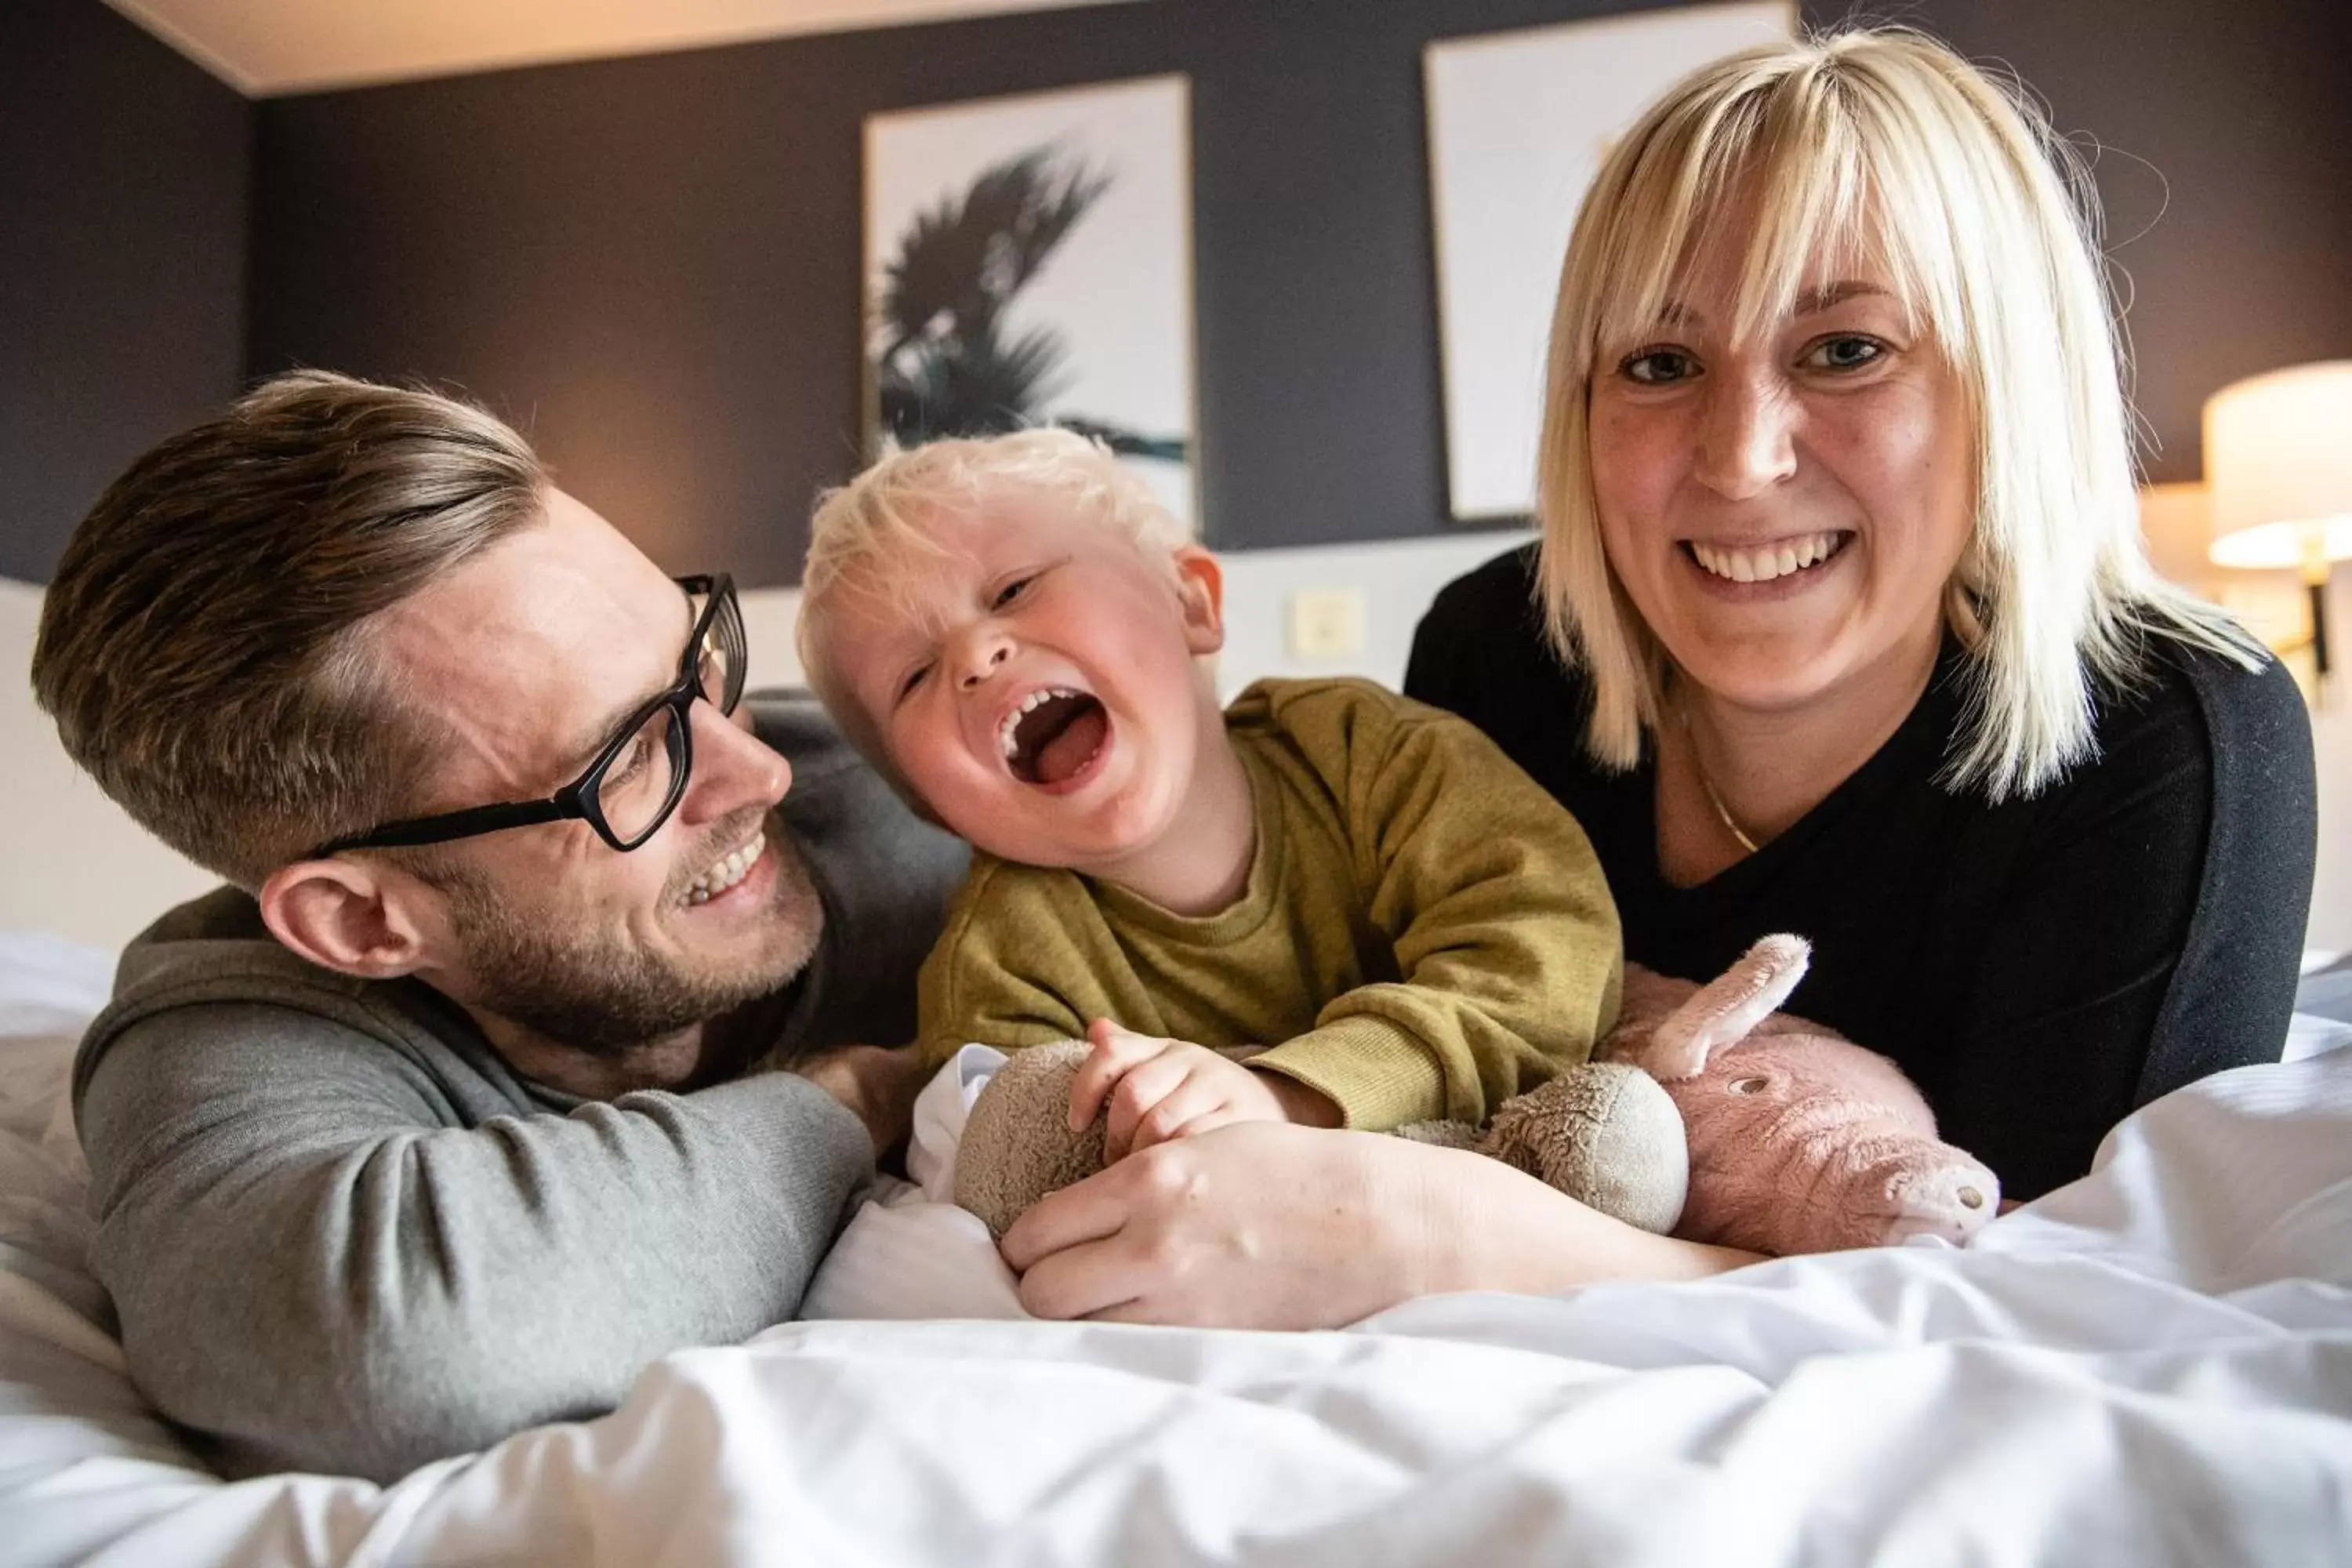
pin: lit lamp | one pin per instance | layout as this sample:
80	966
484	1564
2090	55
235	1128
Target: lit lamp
2177	520
2278	473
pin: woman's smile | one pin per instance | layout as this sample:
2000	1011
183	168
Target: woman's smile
1772	569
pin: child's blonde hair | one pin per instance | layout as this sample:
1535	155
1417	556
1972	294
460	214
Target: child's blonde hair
1883	143
866	533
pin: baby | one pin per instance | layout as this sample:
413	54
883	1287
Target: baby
1020	638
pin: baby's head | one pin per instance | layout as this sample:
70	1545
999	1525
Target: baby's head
1017	635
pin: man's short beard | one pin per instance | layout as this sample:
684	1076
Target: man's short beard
607	998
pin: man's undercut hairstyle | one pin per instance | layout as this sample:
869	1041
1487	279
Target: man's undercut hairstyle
870	537
1884	147
206	646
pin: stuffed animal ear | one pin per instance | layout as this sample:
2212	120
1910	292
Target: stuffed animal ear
1726	1008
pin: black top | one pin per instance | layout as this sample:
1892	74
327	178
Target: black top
2038	967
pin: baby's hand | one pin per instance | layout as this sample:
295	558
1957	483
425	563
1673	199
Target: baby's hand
1161	1090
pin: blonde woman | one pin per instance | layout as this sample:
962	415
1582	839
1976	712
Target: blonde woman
1840	624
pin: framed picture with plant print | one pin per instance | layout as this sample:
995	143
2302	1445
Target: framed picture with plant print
1029	261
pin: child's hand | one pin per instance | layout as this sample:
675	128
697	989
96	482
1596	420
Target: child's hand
1160	1090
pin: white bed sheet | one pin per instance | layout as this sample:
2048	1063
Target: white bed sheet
2153	1365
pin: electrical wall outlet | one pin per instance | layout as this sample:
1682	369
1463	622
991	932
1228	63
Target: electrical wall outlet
1327	622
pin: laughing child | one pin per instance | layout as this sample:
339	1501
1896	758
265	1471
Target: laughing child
1020	637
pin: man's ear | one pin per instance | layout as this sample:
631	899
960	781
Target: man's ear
1200	585
345	916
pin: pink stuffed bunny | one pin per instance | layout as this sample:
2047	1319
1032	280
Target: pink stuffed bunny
1800	1141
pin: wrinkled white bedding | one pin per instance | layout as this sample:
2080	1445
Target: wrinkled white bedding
2153	1365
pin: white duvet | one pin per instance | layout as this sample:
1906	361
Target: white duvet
2153	1365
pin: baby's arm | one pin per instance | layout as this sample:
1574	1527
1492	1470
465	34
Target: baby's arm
1024	961
1021	962
963	1001
1150	1090
1507	942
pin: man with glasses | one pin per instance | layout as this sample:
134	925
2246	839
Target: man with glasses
457	1107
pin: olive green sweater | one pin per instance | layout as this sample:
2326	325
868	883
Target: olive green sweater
1424	933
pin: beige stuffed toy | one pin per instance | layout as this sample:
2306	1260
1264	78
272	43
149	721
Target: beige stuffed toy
1603	1133
1768	1133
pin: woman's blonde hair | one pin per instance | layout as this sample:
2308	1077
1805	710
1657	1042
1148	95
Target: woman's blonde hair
870	537
1883	144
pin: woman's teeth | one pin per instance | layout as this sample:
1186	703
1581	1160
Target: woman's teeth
1764	564
731	868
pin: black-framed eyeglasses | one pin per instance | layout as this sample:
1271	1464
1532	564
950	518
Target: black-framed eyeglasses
640	774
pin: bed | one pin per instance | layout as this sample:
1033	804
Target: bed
2153	1365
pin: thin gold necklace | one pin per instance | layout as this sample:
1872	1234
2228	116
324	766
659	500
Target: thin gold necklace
1698	766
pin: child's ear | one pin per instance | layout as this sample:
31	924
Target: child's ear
1201	586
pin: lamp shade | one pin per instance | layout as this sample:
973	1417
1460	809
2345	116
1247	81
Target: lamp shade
2177	520
2278	465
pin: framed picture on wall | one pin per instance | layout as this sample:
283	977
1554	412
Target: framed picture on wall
1029	260
1519	123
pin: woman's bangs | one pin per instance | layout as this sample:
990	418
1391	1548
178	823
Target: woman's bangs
1799	182
1653	235
1877	193
1801	201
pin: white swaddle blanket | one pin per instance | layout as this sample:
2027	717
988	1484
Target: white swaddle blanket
909	1252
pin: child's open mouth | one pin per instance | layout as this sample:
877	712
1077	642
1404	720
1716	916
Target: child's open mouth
1054	735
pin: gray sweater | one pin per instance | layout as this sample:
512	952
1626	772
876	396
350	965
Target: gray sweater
341	1234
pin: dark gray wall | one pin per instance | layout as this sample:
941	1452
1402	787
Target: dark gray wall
653	262
122	228
2221	139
